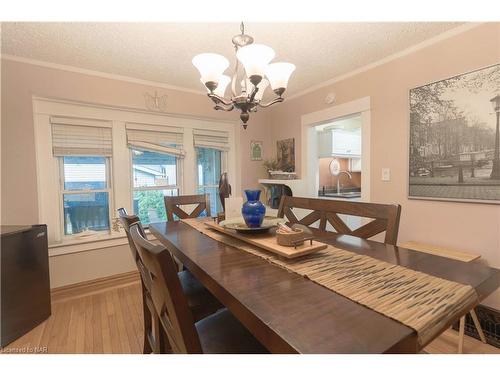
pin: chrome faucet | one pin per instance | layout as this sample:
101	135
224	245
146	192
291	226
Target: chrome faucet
338	179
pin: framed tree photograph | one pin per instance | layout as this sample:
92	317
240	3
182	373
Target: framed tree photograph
286	154
454	138
256	150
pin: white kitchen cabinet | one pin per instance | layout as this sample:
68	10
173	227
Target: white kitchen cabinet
346	142
325	144
339	142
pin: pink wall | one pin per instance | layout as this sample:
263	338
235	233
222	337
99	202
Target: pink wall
19	202
472	227
20	81
467	226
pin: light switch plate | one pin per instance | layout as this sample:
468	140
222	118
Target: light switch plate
386	174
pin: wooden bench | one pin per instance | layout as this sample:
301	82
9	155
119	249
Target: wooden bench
440	251
457	255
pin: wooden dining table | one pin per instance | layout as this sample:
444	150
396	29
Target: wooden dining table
288	313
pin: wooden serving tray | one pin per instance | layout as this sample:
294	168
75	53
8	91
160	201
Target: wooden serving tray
267	241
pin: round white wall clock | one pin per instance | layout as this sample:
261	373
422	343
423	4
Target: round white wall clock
334	167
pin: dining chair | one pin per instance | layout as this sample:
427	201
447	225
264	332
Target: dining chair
385	217
151	344
200	301
172	206
220	333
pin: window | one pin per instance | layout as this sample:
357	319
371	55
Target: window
85	190
93	159
154	176
208	162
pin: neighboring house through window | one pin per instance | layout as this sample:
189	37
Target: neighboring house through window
156	153
154	176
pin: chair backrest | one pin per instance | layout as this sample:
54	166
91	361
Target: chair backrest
172	206
386	216
127	221
166	293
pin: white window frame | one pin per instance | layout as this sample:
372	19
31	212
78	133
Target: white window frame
62	192
120	163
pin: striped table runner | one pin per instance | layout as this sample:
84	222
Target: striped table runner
423	302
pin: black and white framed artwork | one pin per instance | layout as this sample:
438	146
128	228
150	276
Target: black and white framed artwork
454	138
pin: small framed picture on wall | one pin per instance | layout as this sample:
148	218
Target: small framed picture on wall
256	150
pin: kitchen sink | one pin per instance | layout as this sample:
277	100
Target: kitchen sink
347	194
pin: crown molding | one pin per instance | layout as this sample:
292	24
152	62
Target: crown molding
428	42
96	73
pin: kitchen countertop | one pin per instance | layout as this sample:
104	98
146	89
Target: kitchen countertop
331	193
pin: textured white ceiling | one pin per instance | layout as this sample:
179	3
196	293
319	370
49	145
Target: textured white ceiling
162	52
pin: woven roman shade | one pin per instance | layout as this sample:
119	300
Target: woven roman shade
81	137
216	139
165	139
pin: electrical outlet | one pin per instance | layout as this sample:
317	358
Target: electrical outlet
386	174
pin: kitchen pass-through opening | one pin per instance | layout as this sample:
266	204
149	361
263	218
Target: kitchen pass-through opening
339	158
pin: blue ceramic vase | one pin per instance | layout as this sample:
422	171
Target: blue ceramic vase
253	210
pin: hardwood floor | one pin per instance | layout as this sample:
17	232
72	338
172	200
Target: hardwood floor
106	321
106	317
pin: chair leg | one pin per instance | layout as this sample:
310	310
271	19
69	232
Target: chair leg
148	321
478	326
165	347
157	335
461	333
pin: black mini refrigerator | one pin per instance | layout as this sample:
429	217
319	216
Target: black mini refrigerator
24	280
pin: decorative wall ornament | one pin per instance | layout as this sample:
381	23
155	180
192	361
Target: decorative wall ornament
454	138
247	88
256	150
330	98
286	154
156	103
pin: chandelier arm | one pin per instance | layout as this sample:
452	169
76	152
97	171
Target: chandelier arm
233	81
277	100
254	92
218	99
218	107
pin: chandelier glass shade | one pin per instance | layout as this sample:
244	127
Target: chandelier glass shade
211	66
247	86
255	58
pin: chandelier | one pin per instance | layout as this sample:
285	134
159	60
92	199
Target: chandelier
259	74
